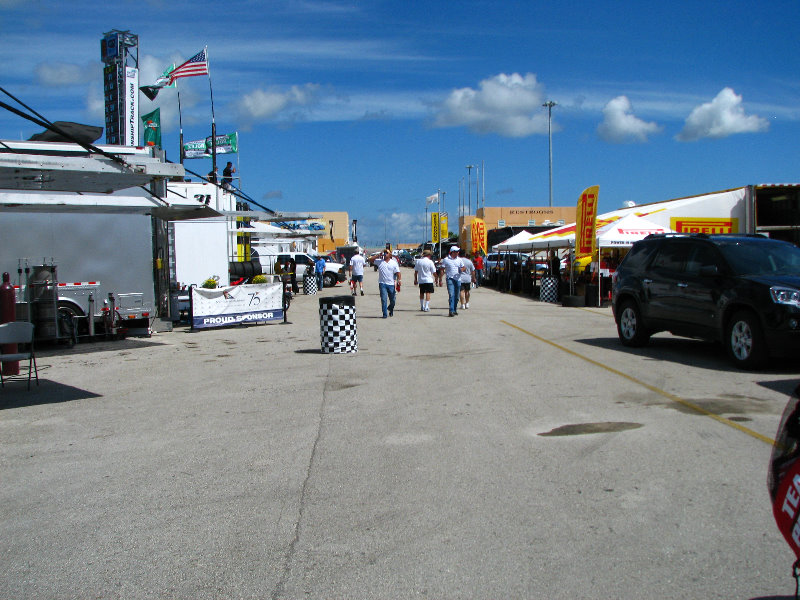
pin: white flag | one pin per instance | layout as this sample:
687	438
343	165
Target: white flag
431	199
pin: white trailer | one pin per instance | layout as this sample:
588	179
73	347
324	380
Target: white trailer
74	225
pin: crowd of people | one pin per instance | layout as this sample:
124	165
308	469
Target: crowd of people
456	271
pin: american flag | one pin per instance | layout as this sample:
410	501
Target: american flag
197	65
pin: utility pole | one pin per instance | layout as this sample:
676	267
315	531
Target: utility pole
469	189
550	104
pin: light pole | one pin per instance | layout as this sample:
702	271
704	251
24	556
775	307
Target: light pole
550	104
469	189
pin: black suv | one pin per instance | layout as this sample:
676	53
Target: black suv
741	290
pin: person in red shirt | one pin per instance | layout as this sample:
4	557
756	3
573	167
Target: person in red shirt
478	262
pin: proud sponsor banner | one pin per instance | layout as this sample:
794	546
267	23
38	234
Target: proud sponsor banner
237	304
585	222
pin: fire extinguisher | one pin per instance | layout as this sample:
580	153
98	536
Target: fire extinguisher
8	313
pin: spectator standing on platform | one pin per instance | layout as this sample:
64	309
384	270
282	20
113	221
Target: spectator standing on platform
213	175
388	277
478	262
319	271
424	272
227	175
467	278
453	268
357	273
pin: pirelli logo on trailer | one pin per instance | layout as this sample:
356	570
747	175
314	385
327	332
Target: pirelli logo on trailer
704	225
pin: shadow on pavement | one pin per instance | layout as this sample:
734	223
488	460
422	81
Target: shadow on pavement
686	351
15	394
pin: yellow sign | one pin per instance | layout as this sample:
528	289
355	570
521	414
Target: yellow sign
478	236
435	228
443	226
704	225
585	223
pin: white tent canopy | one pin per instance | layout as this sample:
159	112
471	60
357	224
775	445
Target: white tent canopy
623	232
620	232
522	236
671	215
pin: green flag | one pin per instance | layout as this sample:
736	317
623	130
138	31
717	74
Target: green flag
152	128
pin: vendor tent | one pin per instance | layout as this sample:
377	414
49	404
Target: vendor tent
622	233
613	230
514	239
560	237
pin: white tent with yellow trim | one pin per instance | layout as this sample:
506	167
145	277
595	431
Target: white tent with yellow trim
719	212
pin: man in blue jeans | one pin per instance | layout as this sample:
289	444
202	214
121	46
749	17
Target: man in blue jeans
388	277
319	270
453	267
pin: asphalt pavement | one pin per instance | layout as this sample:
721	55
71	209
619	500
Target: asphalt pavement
515	451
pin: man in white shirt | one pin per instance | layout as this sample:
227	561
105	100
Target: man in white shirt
453	267
388	277
467	278
424	273
357	273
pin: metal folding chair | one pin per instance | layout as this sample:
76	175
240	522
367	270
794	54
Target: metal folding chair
18	332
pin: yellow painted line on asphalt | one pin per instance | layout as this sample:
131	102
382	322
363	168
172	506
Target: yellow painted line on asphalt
652	388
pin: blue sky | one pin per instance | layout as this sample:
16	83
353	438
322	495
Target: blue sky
369	107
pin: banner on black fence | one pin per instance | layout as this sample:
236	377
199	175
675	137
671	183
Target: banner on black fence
251	303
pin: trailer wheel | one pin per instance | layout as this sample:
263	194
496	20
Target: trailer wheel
68	328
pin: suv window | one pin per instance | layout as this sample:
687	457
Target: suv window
672	256
704	255
761	259
638	256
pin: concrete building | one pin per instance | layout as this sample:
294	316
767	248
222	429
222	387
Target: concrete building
514	218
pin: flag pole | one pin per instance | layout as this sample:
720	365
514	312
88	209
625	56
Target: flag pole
213	123
180	121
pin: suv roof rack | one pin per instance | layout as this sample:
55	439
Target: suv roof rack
704	236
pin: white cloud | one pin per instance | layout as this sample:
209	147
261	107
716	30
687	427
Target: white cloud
504	104
264	105
392	227
59	74
621	125
721	117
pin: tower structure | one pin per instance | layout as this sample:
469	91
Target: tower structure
119	51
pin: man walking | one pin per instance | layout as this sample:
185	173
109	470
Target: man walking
467	278
424	272
357	273
388	277
319	271
453	268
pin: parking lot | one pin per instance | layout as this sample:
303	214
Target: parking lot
516	451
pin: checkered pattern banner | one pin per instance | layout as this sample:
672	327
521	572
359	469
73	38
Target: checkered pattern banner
309	285
549	289
337	329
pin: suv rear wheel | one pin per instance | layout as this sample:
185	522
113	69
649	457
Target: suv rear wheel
630	326
744	340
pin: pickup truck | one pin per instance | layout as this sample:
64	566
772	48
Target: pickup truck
334	272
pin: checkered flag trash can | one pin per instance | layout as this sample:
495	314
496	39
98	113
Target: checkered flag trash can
549	289
309	285
337	325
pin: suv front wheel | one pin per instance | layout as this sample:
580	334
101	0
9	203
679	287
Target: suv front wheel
630	326
329	279
744	340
